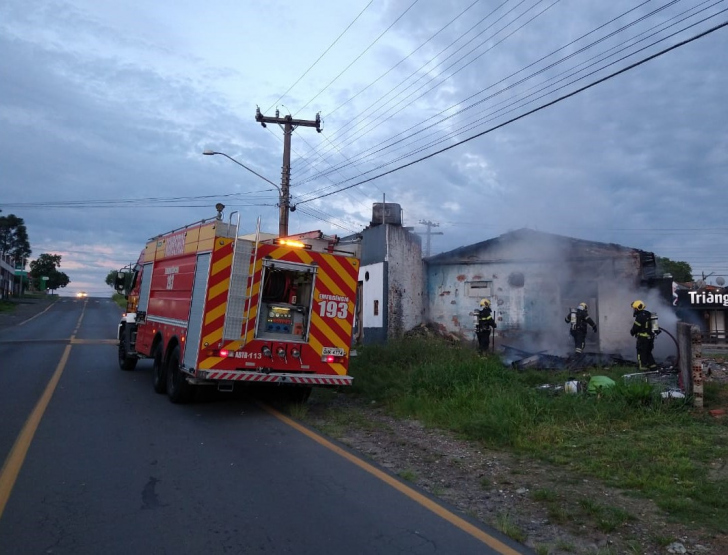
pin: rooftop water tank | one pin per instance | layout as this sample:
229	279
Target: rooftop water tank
386	212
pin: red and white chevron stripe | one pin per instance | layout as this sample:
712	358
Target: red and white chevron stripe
301	379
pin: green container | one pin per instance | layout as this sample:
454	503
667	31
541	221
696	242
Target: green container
599	383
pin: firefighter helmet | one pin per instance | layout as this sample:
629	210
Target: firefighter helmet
638	305
484	303
582	306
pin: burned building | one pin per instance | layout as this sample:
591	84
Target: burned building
532	279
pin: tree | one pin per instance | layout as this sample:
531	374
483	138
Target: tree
681	271
46	265
111	278
14	239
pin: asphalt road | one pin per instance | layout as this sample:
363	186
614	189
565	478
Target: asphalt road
96	462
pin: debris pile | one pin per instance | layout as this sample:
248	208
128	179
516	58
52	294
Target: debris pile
715	370
522	360
428	330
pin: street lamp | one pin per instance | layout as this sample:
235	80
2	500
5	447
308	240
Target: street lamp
283	200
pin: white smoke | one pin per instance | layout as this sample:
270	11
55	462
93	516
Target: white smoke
574	283
655	303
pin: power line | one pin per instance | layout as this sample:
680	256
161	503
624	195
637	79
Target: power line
392	111
324	160
349	126
381	146
359	56
125	202
408	136
321	56
316	214
533	111
404	59
481	121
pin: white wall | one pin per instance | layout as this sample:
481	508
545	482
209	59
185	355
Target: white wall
372	278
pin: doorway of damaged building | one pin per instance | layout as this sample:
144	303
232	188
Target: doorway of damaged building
583	291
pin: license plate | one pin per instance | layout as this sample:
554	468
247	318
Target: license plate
334	351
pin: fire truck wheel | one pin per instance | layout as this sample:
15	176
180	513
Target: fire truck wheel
159	377
178	389
126	362
299	394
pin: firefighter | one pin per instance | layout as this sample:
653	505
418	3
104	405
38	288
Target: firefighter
645	329
579	319
484	325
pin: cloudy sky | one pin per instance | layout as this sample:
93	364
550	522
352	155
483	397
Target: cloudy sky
452	109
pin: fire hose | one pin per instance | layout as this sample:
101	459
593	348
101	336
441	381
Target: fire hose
677	346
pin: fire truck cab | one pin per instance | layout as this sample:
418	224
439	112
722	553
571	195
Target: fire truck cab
212	307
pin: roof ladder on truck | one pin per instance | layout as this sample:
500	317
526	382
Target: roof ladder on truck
241	280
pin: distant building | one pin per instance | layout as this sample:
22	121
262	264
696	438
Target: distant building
7	276
707	307
532	279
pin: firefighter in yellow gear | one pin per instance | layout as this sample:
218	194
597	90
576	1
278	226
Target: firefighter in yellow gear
485	324
644	329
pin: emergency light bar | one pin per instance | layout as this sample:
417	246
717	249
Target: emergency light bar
292	243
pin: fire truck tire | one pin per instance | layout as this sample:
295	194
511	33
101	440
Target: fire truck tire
298	394
159	376
178	389
126	362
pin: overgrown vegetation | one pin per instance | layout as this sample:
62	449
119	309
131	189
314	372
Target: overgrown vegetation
119	299
627	436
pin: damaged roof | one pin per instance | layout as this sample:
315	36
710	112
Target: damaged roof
541	246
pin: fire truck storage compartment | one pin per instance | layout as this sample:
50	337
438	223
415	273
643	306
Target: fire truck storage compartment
146	287
286	299
197	307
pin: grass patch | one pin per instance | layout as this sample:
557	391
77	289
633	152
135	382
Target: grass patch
6	306
335	422
607	519
408	475
628	436
505	524
119	299
544	495
565	546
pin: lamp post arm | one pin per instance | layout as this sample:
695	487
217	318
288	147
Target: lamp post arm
212	152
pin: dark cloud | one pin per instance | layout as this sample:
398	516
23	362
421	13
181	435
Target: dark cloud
95	108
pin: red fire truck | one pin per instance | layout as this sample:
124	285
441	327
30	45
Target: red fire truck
211	307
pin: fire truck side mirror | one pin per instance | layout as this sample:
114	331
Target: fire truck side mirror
120	282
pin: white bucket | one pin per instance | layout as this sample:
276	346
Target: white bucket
571	386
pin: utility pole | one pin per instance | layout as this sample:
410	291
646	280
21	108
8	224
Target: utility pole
288	124
429	233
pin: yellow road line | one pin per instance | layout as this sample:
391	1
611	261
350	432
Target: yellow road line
12	465
440	511
14	462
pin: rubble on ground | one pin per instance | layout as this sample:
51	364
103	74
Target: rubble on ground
522	360
434	330
715	369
